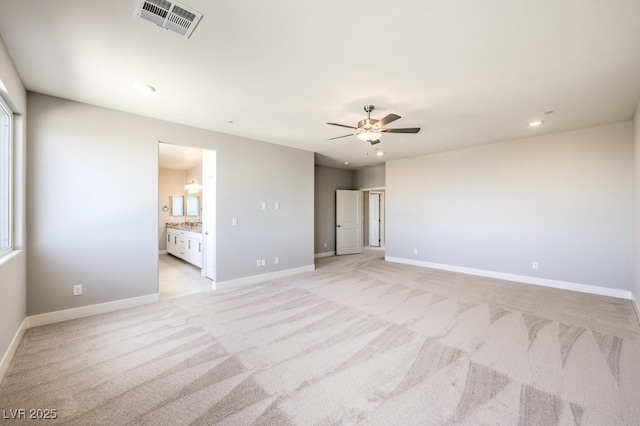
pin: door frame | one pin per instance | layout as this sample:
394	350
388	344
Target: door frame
375	198
208	218
365	235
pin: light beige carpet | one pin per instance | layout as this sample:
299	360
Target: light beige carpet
358	341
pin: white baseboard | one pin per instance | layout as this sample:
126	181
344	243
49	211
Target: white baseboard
564	285
254	279
86	311
635	304
325	254
11	350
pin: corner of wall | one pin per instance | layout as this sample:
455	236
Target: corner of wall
12	348
13	268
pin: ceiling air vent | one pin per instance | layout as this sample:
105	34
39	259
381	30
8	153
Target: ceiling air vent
170	15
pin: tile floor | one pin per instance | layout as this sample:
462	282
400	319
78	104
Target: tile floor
178	278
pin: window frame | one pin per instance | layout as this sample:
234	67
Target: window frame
4	108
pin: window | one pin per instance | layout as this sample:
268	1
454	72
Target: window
5	178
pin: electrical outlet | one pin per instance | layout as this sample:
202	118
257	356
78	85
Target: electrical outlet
259	262
77	290
534	265
325	245
415	251
277	260
264	262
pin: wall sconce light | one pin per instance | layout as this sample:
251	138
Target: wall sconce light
192	187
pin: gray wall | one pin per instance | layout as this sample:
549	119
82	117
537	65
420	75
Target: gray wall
252	172
13	275
564	200
636	228
327	181
93	197
371	177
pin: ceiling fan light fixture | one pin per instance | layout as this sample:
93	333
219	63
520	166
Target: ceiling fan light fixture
369	136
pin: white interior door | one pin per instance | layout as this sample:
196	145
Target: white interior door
374	220
348	222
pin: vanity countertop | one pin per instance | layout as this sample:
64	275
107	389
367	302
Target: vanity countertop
186	226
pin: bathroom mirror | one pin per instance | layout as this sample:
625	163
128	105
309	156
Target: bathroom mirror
177	205
193	205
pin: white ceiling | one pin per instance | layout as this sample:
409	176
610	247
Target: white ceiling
178	157
466	72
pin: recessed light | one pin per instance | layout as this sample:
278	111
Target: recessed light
535	123
346	163
379	153
144	88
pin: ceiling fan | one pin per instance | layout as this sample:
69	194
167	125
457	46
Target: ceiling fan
370	130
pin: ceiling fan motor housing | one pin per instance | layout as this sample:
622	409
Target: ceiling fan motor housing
367	123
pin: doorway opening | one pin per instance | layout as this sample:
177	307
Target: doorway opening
373	234
186	220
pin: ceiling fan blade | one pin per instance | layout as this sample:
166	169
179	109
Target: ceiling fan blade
338	137
342	125
388	119
407	130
